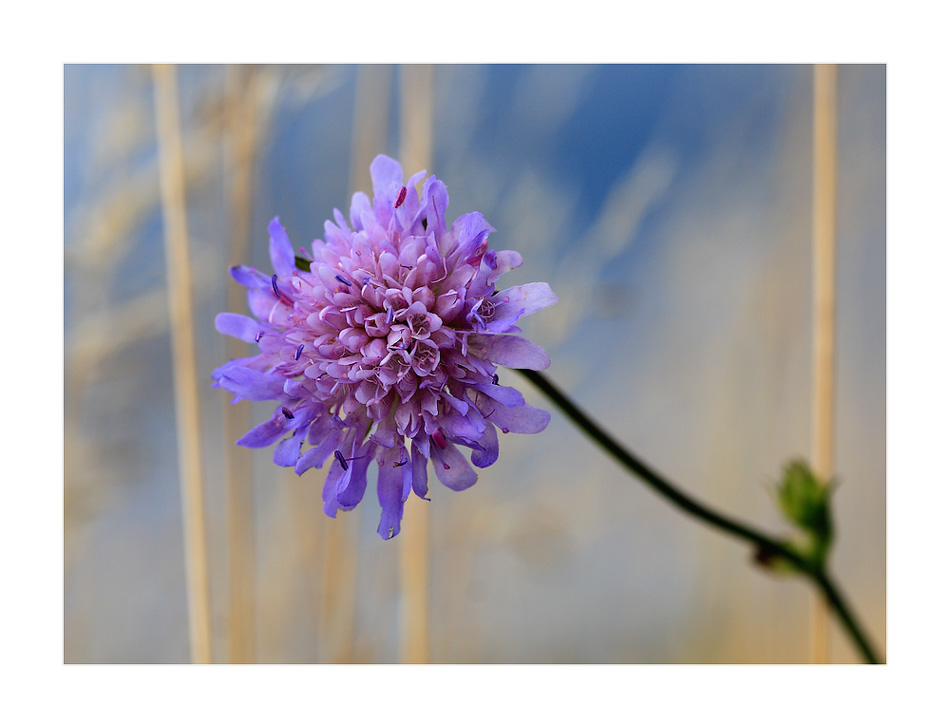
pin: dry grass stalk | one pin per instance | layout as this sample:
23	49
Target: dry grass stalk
370	119
241	142
824	207
181	317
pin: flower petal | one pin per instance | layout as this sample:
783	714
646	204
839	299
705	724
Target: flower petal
266	433
435	200
287	453
352	494
386	173
527	299
386	432
452	468
251	384
499	262
320	429
419	473
525	419
249	277
471	230
389	490
469	427
408	212
508	396
505	325
489	452
240	327
337	479
315	457
511	351
360	207
281	250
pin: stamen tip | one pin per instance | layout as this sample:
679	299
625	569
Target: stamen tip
340	459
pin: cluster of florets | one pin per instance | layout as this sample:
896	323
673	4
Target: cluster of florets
383	346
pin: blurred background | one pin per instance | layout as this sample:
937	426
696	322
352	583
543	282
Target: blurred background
669	207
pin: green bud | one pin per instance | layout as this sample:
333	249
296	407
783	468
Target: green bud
805	501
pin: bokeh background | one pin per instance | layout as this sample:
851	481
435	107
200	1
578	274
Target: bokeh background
669	207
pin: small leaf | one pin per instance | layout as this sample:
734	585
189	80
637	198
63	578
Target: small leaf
302	263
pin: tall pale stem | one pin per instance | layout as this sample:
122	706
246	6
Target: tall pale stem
824	204
181	317
241	142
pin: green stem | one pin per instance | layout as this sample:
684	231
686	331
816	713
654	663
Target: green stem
766	546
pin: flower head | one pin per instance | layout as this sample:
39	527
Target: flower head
385	346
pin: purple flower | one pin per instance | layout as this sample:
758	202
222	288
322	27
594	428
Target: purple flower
384	347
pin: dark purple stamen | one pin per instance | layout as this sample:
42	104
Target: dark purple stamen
401	198
409	267
287	413
259	335
273	282
366	280
390	315
402	462
297	353
494	379
340	459
439	439
344	281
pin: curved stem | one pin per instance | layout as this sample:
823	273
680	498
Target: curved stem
767	546
837	602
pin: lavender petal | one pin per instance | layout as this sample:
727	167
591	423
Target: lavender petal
240	327
281	250
511	351
453	469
